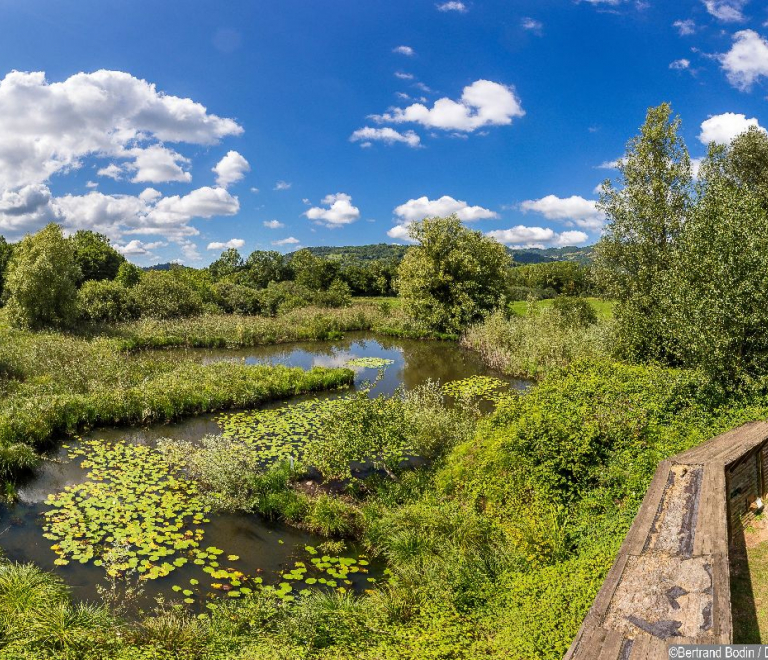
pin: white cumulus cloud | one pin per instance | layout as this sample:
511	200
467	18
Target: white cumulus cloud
532	25
453	5
49	127
747	61
387	135
423	207
685	27
483	103
236	243
537	237
158	164
339	211
282	185
728	11
273	224
137	248
573	210
231	169
723	128
404	50
680	65
291	240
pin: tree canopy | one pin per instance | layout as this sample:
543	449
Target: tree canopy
452	275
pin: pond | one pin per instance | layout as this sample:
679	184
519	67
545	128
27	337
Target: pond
193	553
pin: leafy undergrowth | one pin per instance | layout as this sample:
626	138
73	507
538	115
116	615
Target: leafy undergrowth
495	551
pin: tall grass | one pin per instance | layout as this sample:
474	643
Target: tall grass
533	345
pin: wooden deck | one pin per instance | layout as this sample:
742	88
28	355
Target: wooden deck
670	582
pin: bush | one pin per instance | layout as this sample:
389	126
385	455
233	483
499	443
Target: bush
282	297
162	295
104	301
237	299
337	295
574	312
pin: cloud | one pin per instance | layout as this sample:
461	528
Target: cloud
27	209
747	61
112	171
291	240
609	164
452	6
483	103
532	25
574	210
728	11
230	169
282	185
171	214
696	167
685	28
158	164
723	128
91	184
48	128
403	76
680	65
137	248
254	190
339	212
537	237
235	243
418	209
273	224
404	50
386	135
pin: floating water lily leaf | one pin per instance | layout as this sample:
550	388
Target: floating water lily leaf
480	387
369	362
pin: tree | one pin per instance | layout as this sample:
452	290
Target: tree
164	295
746	162
312	272
105	301
229	263
95	257
6	250
452	276
41	283
128	274
646	213
719	285
263	267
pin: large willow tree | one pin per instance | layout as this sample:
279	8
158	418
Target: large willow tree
646	209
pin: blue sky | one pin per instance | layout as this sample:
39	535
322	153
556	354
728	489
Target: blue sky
336	123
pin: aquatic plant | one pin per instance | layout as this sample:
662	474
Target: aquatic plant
369	362
481	387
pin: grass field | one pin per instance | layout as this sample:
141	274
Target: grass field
604	308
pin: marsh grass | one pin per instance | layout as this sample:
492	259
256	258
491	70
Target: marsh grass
537	343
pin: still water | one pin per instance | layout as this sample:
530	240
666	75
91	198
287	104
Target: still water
264	548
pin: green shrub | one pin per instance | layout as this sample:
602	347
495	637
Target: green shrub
162	295
237	299
105	301
574	312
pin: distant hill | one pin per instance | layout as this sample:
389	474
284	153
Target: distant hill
362	252
582	255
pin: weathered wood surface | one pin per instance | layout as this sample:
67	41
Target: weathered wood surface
657	593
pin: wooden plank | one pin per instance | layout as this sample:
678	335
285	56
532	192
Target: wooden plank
722	445
585	646
719	531
646	514
721	596
640	646
707	497
611	646
604	596
658	649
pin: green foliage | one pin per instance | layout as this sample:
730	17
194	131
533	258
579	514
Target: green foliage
453	276
337	295
40	286
532	345
263	267
312	272
6	250
228	263
105	301
165	295
646	211
719	297
574	312
237	299
562	277
128	274
747	163
94	256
